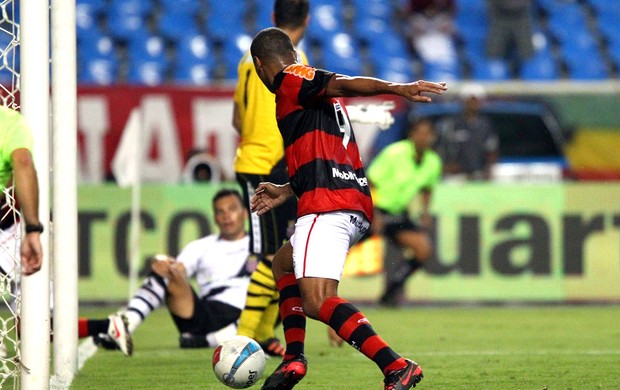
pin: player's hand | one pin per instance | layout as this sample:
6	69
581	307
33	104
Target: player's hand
161	265
413	91
269	196
31	253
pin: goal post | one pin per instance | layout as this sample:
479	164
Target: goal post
64	130
35	102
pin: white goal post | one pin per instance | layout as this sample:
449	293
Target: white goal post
55	161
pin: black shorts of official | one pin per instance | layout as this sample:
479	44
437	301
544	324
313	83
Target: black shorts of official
209	316
269	231
394	223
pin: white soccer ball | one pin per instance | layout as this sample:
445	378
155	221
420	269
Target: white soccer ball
239	362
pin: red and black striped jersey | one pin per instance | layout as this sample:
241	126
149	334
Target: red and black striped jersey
325	168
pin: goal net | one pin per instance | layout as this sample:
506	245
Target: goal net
10	356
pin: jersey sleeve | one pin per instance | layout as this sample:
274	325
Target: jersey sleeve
313	88
190	256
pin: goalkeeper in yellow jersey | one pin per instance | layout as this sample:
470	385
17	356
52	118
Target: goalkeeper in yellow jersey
260	157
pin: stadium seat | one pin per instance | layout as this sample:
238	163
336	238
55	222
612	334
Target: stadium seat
326	20
397	69
442	71
589	67
187	7
194	48
340	54
225	19
542	66
127	18
148	62
566	19
174	25
87	14
144	72
373	9
98	71
96	46
191	71
485	69
234	48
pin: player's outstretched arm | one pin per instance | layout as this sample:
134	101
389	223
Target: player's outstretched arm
346	86
269	196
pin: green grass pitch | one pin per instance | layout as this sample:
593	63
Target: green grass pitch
508	347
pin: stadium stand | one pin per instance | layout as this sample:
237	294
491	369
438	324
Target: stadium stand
350	36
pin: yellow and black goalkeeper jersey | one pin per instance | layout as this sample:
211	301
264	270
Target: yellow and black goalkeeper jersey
261	144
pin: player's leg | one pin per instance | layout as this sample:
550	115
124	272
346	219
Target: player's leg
320	267
150	296
294	364
416	247
209	323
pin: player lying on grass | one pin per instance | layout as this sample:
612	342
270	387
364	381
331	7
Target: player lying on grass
204	319
334	208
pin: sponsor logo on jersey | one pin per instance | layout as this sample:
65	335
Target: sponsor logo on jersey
348	175
360	225
299	70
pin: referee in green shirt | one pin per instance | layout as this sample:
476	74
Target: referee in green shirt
399	174
17	169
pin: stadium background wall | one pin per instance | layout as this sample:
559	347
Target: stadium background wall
535	243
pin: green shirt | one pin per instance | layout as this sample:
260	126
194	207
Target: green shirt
397	178
14	134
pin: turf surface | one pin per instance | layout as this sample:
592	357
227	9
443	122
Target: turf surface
544	347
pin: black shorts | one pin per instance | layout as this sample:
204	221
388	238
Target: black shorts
269	231
209	316
394	223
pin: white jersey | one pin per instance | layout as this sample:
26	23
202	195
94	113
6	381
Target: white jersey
216	264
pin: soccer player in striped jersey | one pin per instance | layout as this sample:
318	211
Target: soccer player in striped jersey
260	157
335	208
218	262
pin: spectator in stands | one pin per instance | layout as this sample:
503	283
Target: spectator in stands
467	143
402	173
510	29
432	30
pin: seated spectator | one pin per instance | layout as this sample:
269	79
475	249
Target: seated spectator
467	143
432	30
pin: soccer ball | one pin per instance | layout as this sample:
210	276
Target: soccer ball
238	362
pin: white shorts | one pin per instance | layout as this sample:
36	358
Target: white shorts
321	242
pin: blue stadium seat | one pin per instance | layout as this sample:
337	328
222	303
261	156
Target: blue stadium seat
148	62
542	66
127	18
605	7
87	14
340	54
326	21
98	71
187	7
193	72
485	69
144	72
234	48
614	51
588	67
397	69
225	19
565	19
442	71
174	25
373	9
262	17
96	46
195	48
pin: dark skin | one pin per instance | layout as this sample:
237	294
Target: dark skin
314	291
